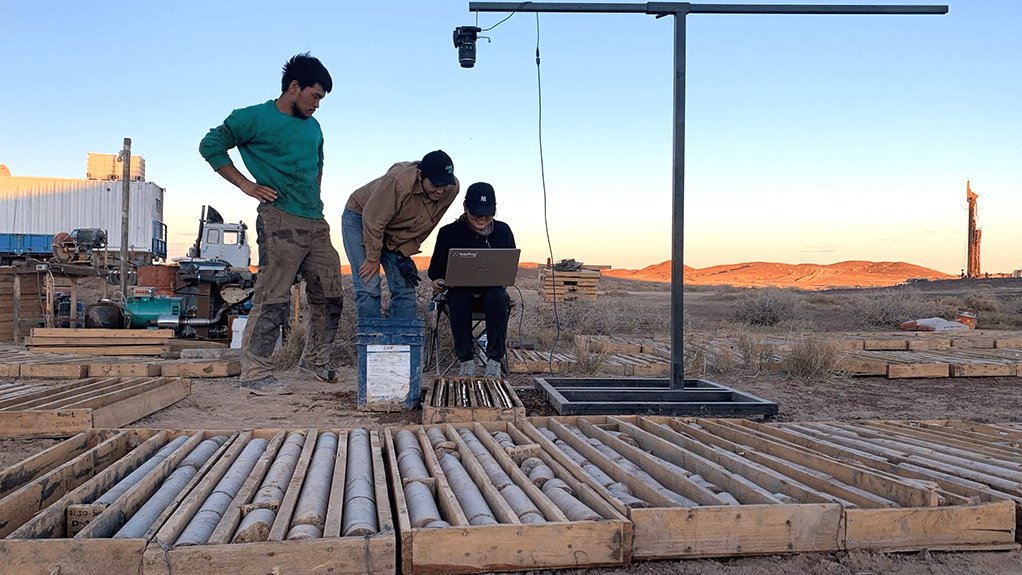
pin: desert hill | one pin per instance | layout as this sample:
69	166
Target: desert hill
763	274
805	276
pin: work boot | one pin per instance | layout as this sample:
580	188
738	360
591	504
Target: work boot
468	368
267	385
493	369
323	373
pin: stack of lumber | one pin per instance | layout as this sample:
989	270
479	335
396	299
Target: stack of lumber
533	361
100	341
61	409
20	308
561	286
623	344
18	363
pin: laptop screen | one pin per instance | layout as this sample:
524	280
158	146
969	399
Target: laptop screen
482	267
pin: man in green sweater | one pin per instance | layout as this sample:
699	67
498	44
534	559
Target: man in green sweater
282	147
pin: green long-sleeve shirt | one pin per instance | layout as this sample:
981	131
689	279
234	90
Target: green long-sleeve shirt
282	152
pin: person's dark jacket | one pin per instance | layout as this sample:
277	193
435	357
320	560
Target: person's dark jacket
459	234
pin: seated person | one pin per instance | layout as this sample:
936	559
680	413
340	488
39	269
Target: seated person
475	228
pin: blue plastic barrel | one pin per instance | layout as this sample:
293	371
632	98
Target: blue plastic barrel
389	363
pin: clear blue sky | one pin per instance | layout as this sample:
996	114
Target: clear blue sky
811	139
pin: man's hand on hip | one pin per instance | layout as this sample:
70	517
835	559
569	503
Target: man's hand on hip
259	192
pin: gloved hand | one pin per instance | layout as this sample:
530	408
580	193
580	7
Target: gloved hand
409	272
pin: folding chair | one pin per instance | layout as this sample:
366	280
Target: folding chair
443	362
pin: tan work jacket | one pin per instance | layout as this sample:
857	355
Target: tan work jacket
396	212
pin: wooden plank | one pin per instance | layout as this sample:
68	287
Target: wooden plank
138	406
885	344
729	531
859	364
75	395
50	423
202	368
518	547
384	512
335	503
53	371
77	341
96	332
929	343
346	556
960	526
43	394
122	389
105	350
124	369
982	369
974	342
911	370
72	557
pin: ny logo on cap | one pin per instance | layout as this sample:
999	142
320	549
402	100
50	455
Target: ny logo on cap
450	168
482	198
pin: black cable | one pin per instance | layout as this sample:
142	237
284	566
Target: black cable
513	12
521	317
546	222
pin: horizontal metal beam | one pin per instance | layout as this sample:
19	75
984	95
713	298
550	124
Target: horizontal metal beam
689	8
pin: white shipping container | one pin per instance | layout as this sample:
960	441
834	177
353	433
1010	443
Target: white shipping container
32	205
109	167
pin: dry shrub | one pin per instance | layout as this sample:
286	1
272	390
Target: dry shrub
768	306
722	359
999	320
588	359
982	302
888	309
287	355
694	353
756	354
811	358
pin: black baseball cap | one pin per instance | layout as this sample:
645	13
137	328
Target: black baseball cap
438	167
480	200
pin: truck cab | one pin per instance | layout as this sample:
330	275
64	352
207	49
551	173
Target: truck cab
226	242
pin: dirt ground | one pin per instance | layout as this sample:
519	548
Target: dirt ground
220	404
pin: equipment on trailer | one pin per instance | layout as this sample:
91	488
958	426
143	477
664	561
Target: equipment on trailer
79	246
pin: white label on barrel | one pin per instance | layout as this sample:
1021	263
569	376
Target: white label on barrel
388	372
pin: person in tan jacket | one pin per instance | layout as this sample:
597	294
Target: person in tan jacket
385	222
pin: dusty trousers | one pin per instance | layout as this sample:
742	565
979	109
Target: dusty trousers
289	244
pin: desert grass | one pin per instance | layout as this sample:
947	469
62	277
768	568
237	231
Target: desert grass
811	358
769	306
290	351
882	309
588	358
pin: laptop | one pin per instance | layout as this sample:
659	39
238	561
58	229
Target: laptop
482	267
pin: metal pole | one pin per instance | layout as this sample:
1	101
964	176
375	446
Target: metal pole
668	8
680	10
125	210
678	209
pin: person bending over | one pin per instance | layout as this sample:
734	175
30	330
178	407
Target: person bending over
475	228
385	222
